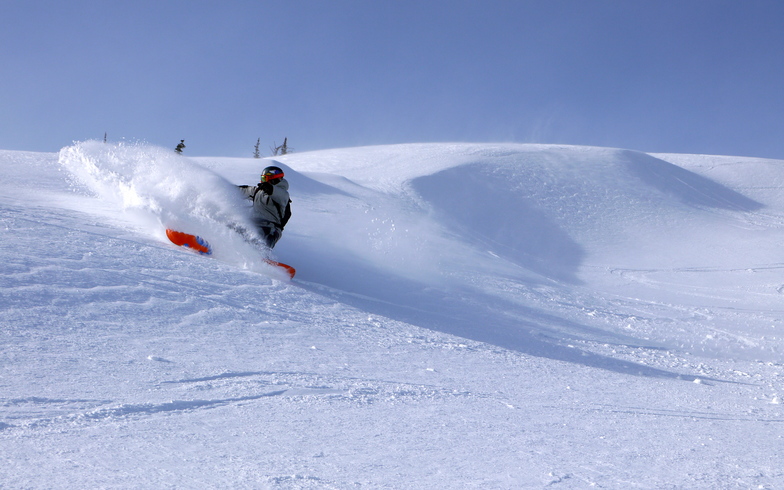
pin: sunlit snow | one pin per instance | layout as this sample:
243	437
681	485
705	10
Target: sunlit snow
463	316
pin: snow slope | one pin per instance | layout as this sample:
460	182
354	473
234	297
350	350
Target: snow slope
464	316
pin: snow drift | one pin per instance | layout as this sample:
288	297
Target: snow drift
494	316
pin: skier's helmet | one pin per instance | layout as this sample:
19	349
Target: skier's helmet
272	175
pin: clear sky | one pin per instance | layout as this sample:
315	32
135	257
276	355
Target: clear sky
689	76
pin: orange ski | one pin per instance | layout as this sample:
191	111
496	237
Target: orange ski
200	245
194	242
289	270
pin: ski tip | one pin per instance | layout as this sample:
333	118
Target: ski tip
195	243
284	267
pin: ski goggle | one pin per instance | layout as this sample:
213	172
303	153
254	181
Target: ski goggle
268	176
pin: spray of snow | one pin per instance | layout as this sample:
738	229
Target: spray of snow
154	189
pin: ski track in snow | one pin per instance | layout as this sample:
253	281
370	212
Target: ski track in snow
609	319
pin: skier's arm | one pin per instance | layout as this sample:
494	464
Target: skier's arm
248	191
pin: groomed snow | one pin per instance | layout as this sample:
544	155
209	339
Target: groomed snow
463	316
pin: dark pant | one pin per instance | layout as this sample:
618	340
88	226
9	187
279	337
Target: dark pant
271	233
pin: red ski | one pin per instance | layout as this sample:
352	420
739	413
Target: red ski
200	245
287	268
194	242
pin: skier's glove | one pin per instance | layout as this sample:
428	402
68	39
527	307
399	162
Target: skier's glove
266	188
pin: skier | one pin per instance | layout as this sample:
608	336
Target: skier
271	204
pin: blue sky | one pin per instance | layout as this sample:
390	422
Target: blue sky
689	76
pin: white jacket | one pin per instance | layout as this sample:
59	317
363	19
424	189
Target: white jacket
274	208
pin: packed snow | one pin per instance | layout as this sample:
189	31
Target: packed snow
463	316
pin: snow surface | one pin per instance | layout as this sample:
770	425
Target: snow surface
464	316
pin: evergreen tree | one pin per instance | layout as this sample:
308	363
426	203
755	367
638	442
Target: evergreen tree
256	153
